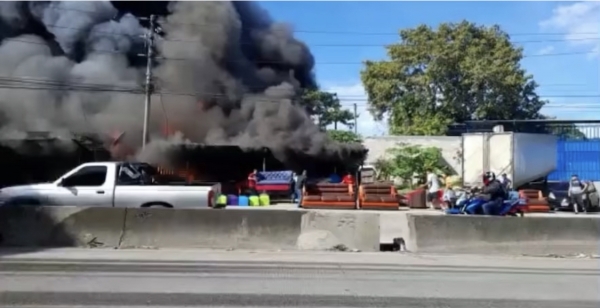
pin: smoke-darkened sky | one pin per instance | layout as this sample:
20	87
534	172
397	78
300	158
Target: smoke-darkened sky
225	73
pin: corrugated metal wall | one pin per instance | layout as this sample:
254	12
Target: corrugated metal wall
581	157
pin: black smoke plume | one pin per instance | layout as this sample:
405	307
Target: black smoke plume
225	74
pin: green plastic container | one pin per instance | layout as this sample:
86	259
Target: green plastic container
264	199
221	201
254	201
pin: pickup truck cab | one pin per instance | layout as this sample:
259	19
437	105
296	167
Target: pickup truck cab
114	184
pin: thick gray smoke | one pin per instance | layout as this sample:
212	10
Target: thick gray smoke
37	75
226	74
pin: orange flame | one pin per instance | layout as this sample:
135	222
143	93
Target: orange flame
117	149
188	174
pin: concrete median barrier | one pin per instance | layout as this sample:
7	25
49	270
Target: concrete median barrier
249	229
208	228
352	230
186	228
503	235
60	226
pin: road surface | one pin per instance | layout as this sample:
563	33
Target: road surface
188	278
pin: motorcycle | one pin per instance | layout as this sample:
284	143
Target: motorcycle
467	199
471	204
513	207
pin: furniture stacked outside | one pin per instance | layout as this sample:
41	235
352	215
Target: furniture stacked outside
276	184
328	196
535	201
378	196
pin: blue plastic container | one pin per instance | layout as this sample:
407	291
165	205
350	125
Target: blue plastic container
232	200
243	200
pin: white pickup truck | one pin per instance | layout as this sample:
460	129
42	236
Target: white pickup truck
114	184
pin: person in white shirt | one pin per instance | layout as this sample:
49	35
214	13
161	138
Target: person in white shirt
433	187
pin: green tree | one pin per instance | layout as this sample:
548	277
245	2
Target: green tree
408	161
327	108
565	131
344	136
454	73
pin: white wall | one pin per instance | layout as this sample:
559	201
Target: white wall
451	147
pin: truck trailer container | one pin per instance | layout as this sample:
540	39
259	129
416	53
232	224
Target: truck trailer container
523	157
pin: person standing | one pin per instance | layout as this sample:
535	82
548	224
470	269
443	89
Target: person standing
299	185
506	182
348	179
251	184
576	193
433	188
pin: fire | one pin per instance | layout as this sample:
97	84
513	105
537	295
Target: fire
188	174
118	150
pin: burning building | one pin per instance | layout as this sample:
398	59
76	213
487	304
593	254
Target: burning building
75	67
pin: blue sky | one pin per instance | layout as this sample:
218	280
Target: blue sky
365	27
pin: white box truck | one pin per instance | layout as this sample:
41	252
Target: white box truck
523	157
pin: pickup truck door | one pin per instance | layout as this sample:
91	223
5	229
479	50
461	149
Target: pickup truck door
91	185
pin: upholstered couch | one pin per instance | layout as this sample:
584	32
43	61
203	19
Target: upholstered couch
270	181
328	196
378	196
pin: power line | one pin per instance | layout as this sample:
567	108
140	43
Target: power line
52	82
346	32
383	45
321	45
46	44
281	62
70	88
30	82
326	44
137	88
341	98
393	33
345	102
355	63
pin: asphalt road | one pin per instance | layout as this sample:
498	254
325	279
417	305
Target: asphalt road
288	280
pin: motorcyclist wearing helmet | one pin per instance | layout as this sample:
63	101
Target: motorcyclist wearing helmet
494	190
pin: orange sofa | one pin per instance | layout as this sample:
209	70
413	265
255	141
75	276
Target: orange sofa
535	201
379	196
327	196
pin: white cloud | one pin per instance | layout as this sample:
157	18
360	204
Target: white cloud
355	94
579	21
546	50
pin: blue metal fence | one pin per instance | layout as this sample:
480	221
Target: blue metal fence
581	157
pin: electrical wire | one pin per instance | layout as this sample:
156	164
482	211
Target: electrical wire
570	39
30	83
282	62
186	60
60	85
41	81
346	32
344	102
361	33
